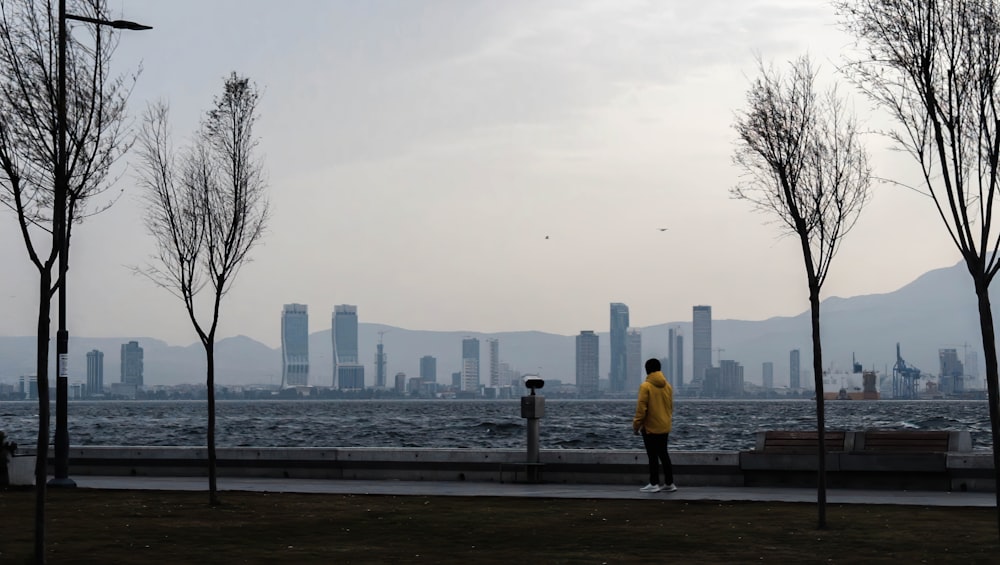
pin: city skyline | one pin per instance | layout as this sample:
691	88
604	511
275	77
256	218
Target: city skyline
934	298
533	139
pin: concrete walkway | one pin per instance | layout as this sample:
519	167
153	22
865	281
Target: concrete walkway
457	488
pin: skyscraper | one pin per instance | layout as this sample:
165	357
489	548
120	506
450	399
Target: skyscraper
95	372
294	345
348	370
767	375
634	367
470	364
131	367
428	369
668	368
380	364
701	341
587	357
679	364
793	370
950	380
345	333
619	362
494	362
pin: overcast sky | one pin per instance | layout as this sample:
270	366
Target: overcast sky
483	166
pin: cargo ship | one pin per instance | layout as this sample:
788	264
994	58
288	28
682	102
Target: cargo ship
860	385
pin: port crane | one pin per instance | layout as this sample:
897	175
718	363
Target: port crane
904	379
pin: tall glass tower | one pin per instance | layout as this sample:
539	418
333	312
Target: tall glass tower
95	373
794	380
131	368
428	369
494	362
679	364
345	348
294	345
587	357
635	371
619	353
470	364
701	343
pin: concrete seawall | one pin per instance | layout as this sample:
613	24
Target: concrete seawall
951	471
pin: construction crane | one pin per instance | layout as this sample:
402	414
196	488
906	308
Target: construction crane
904	379
718	351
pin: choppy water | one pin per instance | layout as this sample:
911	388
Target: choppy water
699	425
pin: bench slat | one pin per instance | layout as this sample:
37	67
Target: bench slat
906	440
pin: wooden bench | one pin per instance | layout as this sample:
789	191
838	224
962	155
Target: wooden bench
790	458
910	441
804	442
896	459
907	459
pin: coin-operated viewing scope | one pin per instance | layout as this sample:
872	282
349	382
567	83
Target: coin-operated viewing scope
534	382
533	409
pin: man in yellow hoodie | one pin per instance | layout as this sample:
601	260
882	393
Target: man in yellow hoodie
654	416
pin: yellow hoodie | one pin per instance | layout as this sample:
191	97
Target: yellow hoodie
654	410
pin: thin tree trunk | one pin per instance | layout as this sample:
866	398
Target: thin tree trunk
990	352
820	417
213	495
42	383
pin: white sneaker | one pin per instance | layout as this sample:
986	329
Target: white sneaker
650	488
666	488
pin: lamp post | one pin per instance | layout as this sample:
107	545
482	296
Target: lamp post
61	240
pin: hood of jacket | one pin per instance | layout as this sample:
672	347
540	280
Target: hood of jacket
656	379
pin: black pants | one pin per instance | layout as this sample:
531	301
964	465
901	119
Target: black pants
656	450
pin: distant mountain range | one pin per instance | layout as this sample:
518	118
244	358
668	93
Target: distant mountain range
937	310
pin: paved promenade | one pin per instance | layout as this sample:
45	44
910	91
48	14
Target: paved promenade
468	488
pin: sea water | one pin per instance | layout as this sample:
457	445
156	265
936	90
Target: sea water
699	425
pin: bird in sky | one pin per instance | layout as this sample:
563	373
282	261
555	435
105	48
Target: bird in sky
664	229
546	237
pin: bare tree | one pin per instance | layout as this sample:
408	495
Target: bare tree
935	66
207	210
803	162
96	136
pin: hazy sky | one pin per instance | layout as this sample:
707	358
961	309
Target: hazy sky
483	166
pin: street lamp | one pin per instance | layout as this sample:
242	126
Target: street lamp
61	240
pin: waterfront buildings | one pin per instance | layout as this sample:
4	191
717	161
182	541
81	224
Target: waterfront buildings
701	342
724	381
794	381
767	375
350	374
380	363
634	366
668	367
294	345
619	362
494	362
95	372
470	365
28	387
950	378
679	364
428	369
587	363
131	364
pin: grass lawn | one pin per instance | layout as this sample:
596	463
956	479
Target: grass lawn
158	527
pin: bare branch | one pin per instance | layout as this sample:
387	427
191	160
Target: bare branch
802	160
